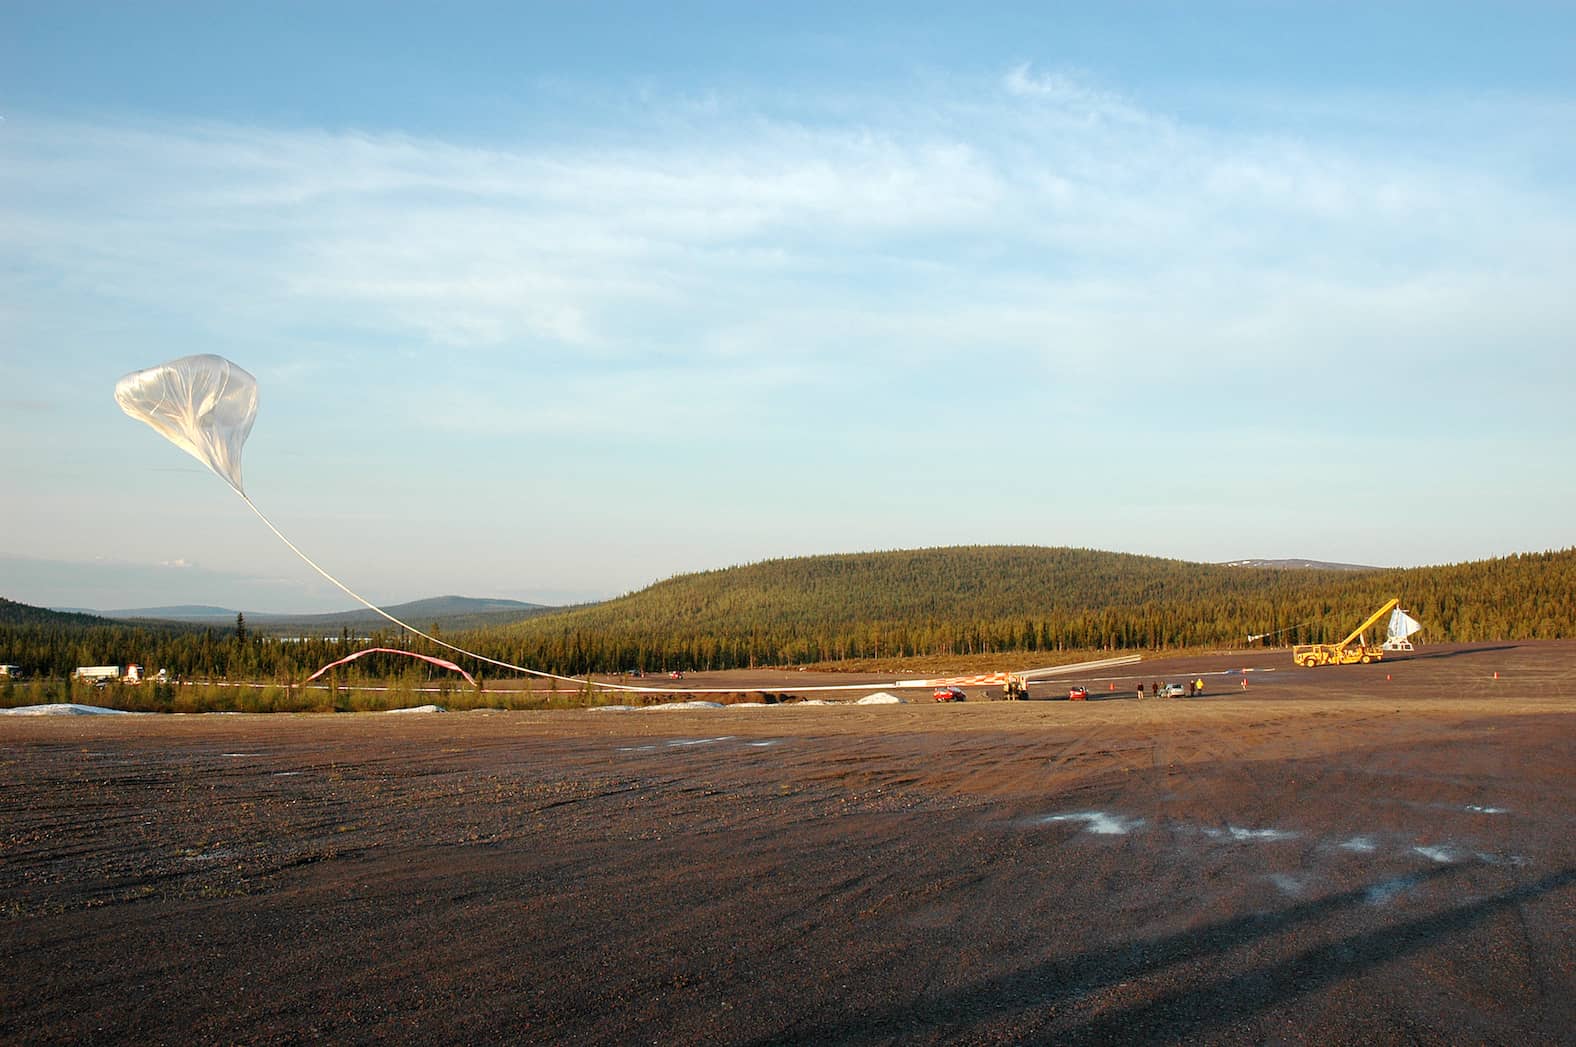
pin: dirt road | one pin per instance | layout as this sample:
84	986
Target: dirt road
1373	854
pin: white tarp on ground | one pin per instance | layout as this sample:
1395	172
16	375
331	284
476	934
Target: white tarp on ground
881	698
665	707
64	709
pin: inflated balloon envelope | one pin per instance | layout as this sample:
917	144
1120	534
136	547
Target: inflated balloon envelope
205	405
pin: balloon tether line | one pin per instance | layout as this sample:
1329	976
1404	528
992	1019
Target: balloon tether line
369	605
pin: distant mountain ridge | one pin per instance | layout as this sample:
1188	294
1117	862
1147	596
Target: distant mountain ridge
179	612
446	612
1301	565
450	612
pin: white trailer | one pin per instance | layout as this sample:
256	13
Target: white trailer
97	672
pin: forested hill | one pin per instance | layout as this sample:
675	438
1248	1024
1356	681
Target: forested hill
967	600
1000	598
13	613
51	643
963	582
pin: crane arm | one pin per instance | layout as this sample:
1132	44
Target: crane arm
1372	620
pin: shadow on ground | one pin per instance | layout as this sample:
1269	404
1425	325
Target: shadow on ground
1197	1011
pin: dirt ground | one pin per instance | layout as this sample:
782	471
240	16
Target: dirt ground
1367	854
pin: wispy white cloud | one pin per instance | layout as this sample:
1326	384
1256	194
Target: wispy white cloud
1073	94
1002	218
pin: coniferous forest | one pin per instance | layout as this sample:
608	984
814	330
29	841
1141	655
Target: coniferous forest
930	602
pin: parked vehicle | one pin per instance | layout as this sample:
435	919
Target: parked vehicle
131	674
1172	690
949	694
1078	694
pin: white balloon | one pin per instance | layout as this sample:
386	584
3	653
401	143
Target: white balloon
205	405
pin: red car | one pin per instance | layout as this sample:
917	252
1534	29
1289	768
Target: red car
1078	694
949	694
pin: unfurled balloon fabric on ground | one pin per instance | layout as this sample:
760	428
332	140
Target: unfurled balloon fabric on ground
205	405
442	663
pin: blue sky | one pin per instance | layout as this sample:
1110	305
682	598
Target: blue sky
552	301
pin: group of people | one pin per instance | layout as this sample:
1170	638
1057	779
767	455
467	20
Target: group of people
1194	688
